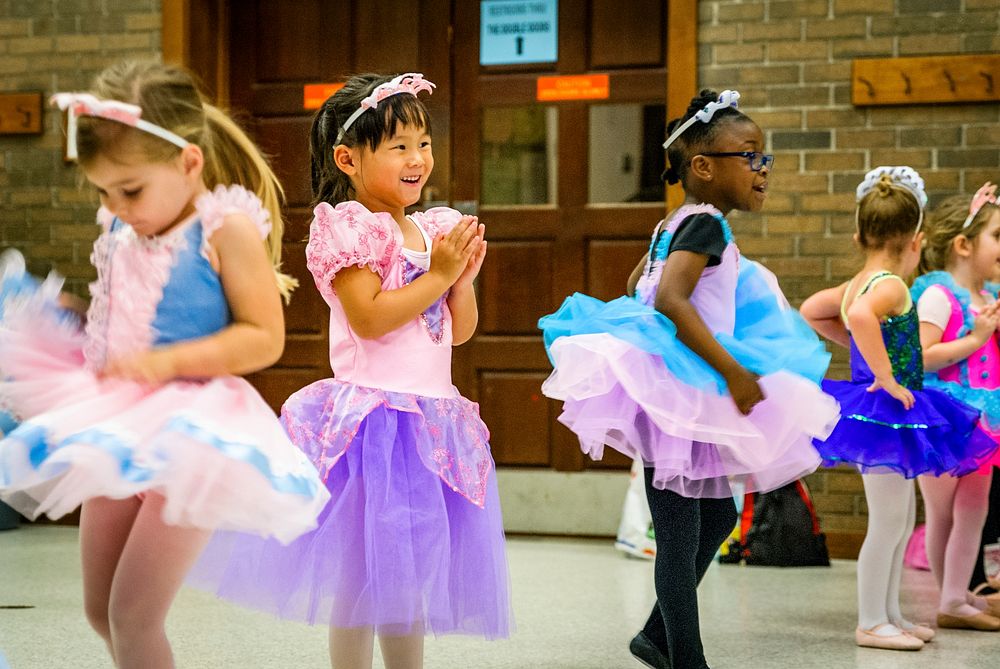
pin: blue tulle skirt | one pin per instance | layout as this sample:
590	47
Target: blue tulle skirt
877	435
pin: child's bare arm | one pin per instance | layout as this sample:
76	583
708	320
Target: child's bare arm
822	311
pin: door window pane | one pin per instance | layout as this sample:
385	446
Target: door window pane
518	155
626	158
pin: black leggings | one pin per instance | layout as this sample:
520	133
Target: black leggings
688	534
991	530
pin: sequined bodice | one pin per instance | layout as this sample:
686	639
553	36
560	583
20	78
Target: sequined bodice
901	336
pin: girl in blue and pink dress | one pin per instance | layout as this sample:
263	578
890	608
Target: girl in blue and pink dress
141	417
412	541
958	332
703	371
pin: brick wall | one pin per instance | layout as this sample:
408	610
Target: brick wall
791	61
55	45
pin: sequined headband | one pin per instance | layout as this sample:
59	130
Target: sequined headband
727	98
411	82
85	104
987	194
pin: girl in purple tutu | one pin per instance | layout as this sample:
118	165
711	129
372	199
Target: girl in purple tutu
892	427
703	371
141	416
958	331
412	541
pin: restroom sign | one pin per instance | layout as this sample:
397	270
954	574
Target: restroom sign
518	31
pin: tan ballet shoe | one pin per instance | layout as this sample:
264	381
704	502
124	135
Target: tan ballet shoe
922	632
981	622
869	639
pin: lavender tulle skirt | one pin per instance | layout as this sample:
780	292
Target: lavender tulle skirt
412	540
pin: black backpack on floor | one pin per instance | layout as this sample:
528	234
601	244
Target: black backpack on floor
780	529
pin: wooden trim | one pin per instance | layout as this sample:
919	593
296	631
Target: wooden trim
925	79
682	68
174	31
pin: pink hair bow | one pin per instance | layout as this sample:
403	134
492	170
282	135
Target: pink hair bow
85	104
987	194
411	82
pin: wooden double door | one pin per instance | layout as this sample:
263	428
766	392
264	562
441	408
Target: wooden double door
568	190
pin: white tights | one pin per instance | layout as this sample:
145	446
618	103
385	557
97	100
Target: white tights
892	511
956	510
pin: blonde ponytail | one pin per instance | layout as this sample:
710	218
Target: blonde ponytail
232	158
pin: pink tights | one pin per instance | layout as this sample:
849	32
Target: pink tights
956	510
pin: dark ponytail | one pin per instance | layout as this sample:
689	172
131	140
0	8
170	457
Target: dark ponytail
329	183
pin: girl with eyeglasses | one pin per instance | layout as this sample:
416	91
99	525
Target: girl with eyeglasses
958	331
893	428
702	370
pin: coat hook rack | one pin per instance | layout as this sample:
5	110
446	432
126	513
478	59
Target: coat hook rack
925	79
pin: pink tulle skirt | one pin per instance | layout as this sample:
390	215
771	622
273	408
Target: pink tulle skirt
618	395
213	448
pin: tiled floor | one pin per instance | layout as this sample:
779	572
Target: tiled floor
576	602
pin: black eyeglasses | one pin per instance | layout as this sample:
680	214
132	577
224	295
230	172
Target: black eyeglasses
758	161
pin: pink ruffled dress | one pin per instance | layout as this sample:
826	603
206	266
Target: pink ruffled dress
413	538
212	447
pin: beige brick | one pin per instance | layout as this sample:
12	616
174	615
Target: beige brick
78	43
797	8
830	504
941	180
979	135
778	119
794	182
914	158
783	96
129	42
982	4
834	202
30	45
853	26
861	139
974	178
13	64
765	246
772	30
788	161
816	72
738	12
780	203
738	53
795	225
844	268
927	115
835	161
849	48
828	118
918	45
798	51
726	33
32	196
796	266
833	245
845	7
148	22
844	480
15	27
74	233
770	74
838	523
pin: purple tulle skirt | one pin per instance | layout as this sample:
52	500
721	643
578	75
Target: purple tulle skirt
938	435
403	546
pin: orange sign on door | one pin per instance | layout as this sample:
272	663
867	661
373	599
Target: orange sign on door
314	95
574	87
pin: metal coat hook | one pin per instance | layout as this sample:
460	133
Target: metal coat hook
989	81
908	89
951	80
868	84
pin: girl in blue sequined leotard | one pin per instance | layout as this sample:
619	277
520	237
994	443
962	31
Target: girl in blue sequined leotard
891	429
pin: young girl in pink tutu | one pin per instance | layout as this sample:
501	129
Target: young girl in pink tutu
893	428
703	371
412	541
141	416
958	331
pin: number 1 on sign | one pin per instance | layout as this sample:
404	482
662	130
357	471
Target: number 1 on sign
519	41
